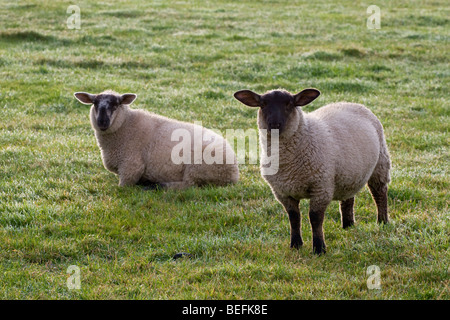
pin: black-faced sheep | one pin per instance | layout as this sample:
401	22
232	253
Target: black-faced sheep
139	146
325	155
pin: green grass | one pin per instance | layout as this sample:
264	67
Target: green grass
60	207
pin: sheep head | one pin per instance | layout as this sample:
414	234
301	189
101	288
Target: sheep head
105	105
277	105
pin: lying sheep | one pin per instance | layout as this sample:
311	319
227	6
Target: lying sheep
138	145
325	155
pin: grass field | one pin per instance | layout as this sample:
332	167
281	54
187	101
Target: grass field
59	206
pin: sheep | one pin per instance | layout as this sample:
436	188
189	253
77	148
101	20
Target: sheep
328	154
139	146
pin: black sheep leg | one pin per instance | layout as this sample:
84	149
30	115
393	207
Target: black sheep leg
291	206
347	215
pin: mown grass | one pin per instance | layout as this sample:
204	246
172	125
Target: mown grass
60	207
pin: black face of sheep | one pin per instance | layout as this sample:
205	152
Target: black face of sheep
105	104
276	106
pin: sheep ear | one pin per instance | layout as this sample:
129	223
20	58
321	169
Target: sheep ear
248	98
127	98
84	97
306	96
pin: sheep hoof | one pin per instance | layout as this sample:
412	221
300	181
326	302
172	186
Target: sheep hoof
181	254
319	246
149	185
383	219
319	251
154	186
296	242
346	224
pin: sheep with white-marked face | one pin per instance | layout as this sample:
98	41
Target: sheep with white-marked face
325	155
138	145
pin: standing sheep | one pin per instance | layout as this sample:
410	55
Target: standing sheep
325	155
138	145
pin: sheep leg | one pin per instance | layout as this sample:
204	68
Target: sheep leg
291	207
130	176
316	217
347	215
379	195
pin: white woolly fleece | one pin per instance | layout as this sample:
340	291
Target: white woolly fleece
138	146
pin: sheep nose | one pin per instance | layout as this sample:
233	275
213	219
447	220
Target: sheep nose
275	125
103	124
